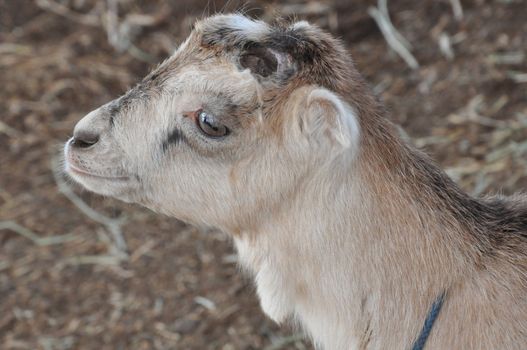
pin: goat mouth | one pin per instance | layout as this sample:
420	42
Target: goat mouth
72	169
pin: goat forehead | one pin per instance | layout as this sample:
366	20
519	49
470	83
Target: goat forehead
300	40
217	82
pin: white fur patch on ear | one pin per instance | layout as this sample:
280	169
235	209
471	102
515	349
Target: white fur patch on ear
328	115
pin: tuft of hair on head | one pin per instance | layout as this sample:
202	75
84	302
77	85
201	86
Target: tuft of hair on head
231	30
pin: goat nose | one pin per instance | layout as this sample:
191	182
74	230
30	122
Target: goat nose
84	139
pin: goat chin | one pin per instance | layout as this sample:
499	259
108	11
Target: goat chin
271	135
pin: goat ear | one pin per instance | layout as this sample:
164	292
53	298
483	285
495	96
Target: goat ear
328	117
260	60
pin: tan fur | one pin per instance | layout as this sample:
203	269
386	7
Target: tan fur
347	230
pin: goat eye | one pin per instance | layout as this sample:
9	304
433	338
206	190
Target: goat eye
210	126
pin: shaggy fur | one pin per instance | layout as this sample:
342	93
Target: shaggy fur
346	228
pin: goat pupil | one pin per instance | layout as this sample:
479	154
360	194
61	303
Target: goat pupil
209	126
207	121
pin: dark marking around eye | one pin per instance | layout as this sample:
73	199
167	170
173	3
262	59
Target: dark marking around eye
174	138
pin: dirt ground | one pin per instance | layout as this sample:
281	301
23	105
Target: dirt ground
63	283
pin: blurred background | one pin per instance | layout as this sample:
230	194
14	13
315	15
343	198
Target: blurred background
82	272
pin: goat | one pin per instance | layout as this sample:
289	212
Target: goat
269	134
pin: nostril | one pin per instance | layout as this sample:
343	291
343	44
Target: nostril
84	139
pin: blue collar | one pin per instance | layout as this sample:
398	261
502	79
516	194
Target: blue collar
429	323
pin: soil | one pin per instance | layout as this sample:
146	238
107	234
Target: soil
62	283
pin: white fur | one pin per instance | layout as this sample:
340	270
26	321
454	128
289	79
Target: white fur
251	29
347	131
